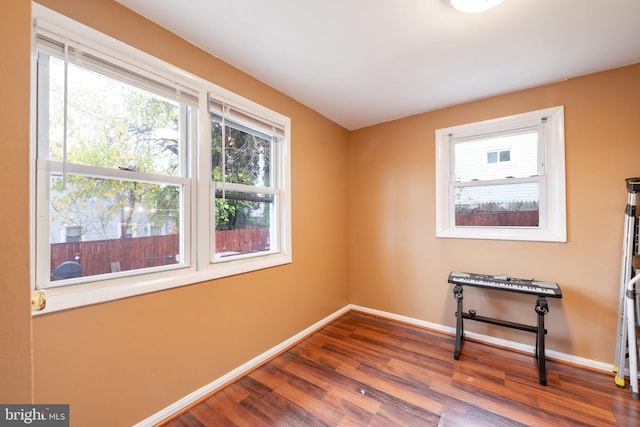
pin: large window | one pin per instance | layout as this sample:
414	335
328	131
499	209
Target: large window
503	178
136	162
111	158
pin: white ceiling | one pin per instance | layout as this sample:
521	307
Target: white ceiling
363	62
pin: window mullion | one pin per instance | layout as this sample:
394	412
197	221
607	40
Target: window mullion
204	239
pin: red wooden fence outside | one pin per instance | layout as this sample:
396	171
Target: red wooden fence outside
245	240
97	256
499	219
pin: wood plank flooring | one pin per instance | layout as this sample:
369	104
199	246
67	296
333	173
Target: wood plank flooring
362	370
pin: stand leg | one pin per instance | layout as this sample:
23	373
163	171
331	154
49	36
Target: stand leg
542	308
457	294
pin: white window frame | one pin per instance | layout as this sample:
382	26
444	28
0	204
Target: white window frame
206	246
552	202
198	266
245	120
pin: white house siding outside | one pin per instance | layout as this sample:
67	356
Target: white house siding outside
512	156
84	226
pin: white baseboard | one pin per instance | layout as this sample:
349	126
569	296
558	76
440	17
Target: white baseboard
551	354
264	357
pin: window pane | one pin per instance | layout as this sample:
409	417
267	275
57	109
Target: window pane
497	205
243	223
111	124
115	226
248	156
514	155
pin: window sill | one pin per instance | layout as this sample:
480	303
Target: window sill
503	233
69	297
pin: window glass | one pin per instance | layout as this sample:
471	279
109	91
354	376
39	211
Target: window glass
497	205
511	156
115	222
244	193
247	155
508	203
103	209
110	123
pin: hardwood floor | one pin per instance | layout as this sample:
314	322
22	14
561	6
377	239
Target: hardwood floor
366	371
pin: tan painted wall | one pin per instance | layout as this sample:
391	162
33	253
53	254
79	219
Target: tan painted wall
120	362
15	315
398	265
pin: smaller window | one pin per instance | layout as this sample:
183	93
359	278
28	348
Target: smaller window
73	233
502	178
247	194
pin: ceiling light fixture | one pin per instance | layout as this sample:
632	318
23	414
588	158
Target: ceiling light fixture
474	6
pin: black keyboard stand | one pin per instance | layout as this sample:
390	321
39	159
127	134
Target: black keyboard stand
541	308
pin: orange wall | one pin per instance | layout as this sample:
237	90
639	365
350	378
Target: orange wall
125	360
398	265
15	315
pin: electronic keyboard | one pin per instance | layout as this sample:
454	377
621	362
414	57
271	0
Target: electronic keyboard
506	283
